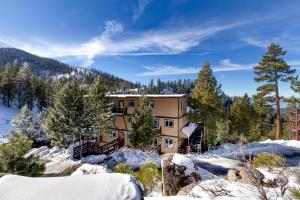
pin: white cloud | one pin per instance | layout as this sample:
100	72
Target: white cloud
142	4
224	65
114	41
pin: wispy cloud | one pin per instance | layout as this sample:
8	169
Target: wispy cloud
224	65
137	11
115	41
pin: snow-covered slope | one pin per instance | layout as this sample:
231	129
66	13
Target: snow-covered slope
91	187
6	115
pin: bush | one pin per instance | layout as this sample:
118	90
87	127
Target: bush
12	157
268	160
122	168
148	175
295	192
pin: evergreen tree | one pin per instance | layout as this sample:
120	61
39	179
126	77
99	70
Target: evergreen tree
99	108
242	117
64	121
27	123
207	102
143	128
272	70
24	87
12	159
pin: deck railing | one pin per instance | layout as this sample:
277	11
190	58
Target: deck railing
117	110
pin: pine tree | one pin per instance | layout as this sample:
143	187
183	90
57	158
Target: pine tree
24	87
207	103
64	121
242	117
27	123
272	70
98	108
143	128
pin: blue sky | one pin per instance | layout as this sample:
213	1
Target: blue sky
167	39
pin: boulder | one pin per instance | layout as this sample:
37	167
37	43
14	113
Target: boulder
245	175
174	176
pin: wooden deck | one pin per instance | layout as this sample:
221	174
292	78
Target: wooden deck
93	148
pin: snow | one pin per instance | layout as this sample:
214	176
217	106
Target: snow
135	157
188	130
236	190
91	187
54	154
87	169
235	151
93	159
6	116
182	160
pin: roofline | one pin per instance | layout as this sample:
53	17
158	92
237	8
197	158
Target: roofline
147	95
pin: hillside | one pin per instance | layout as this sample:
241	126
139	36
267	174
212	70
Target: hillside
46	67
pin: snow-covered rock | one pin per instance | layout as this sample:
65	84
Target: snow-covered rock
135	157
50	154
87	169
93	159
232	190
182	160
91	187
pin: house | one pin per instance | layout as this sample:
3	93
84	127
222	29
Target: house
171	120
295	124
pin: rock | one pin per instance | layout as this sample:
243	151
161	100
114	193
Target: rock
245	175
186	190
174	176
233	175
64	168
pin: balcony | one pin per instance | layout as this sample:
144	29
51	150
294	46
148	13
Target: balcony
119	111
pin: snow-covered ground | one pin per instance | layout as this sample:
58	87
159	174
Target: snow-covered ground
92	187
135	158
87	169
6	115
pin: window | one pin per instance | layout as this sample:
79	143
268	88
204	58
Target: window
156	123
169	143
129	135
129	119
150	104
130	103
112	132
169	123
154	143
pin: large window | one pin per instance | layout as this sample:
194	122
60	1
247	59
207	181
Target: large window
129	119
150	104
154	143
131	103
156	123
169	123
112	132
129	135
169	143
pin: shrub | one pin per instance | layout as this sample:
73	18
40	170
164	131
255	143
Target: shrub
12	158
122	168
268	160
148	175
295	192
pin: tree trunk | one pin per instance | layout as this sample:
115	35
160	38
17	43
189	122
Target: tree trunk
278	116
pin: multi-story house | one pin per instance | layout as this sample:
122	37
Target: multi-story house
169	111
295	124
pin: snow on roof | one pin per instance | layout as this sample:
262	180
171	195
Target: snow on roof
188	130
147	95
92	187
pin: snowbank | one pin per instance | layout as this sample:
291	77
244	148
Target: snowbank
91	187
182	160
50	154
93	159
87	169
234	190
188	130
235	151
6	115
135	158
